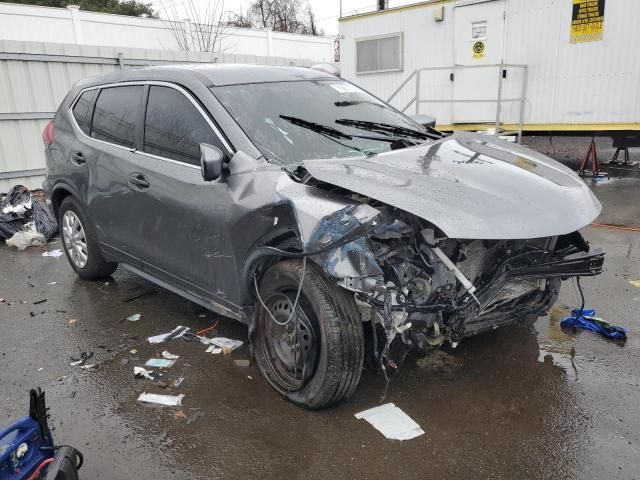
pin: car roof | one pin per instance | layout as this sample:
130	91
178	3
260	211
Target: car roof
211	74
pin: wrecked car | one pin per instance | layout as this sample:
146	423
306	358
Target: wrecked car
335	227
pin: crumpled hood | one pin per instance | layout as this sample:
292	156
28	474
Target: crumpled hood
471	186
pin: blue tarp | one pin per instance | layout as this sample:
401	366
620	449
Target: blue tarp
586	319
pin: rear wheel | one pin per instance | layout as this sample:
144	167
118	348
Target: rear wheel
80	243
315	357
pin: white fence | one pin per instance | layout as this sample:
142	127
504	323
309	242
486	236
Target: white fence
70	25
35	77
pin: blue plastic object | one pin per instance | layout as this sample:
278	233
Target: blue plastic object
20	449
587	320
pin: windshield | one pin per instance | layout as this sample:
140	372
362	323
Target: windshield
316	119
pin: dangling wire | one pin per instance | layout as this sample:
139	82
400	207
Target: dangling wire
581	295
295	303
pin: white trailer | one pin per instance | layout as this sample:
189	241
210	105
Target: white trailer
532	65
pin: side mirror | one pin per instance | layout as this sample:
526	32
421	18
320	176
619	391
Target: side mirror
427	121
211	161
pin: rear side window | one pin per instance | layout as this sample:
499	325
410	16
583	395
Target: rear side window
174	128
82	110
115	115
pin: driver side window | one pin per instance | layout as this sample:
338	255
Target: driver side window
174	128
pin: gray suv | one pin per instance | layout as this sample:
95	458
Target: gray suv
339	230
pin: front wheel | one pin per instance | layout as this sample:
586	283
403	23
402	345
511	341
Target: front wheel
314	357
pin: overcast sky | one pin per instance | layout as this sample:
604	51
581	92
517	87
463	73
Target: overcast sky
327	11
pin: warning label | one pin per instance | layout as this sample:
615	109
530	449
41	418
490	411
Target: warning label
478	50
587	21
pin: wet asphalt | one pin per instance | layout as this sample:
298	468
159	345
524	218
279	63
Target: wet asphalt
519	402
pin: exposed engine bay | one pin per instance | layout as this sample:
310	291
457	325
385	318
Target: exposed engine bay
420	289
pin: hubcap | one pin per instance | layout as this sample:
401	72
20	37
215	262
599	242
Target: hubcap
75	240
290	350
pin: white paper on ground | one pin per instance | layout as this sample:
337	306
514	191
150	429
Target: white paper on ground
213	349
167	400
170	356
160	363
163	336
392	422
53	253
221	342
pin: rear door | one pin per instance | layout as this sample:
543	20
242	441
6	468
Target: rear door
478	42
181	221
107	147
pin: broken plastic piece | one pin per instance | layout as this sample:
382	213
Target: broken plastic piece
53	253
170	356
159	363
167	400
177	332
140	372
135	317
392	422
587	320
178	382
213	349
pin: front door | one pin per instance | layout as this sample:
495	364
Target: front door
478	41
181	224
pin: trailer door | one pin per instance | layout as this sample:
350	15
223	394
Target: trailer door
478	40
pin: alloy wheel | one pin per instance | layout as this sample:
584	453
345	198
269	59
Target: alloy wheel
75	239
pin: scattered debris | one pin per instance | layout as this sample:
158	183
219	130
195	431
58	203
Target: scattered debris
586	319
133	351
63	377
52	283
81	360
124	361
38	302
170	356
72	321
194	415
53	253
167	400
241	363
159	363
635	283
40	369
139	295
179	414
227	344
135	317
213	349
208	329
22	240
392	422
178	382
22	212
139	372
249	377
175	333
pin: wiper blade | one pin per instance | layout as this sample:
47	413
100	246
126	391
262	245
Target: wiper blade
317	127
328	131
385	128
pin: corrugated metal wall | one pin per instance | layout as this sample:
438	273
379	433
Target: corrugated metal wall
35	77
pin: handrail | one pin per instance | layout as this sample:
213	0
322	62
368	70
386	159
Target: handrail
415	72
498	101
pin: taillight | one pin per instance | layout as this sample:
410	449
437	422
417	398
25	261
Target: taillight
47	133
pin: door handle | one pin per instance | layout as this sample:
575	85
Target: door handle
78	157
138	180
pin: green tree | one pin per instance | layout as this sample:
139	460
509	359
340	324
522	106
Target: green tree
133	8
